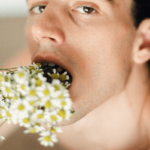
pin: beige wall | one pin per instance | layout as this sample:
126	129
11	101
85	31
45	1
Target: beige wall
12	37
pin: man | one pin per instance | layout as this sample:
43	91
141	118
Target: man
102	44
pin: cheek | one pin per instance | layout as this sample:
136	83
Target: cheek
31	43
107	59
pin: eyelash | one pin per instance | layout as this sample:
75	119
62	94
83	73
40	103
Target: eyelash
82	6
89	7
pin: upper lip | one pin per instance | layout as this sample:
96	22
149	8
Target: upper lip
51	59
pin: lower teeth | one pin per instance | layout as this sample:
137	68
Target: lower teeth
53	71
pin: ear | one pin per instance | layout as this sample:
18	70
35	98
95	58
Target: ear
141	47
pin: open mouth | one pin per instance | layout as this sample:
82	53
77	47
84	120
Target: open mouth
53	71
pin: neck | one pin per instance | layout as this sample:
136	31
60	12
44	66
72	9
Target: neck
137	96
138	86
138	91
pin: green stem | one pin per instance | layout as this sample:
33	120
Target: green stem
9	68
3	123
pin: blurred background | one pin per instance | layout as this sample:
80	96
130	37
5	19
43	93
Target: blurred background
13	52
13	14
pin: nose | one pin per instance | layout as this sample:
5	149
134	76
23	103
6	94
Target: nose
47	28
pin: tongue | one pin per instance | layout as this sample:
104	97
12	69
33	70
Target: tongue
53	71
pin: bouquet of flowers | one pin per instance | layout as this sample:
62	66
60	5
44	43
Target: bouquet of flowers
35	96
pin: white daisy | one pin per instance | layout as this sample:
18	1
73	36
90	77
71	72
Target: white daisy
2	115
40	80
47	139
57	85
39	65
45	91
64	77
32	92
16	96
35	129
54	75
65	104
7	77
55	129
7	90
25	121
1	77
9	115
20	108
50	104
2	103
23	87
47	103
20	76
64	114
34	69
32	101
67	84
38	116
53	117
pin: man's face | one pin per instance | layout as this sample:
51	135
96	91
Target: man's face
92	39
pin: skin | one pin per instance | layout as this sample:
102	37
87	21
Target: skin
106	57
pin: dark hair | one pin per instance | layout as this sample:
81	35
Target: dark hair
141	11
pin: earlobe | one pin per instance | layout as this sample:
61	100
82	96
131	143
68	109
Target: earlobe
142	56
141	47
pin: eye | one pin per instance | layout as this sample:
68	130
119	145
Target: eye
86	9
38	9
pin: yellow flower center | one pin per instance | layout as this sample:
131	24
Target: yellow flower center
60	97
62	114
53	118
1	78
33	130
38	64
15	97
47	138
21	107
20	74
26	120
32	92
31	68
23	87
48	104
57	88
8	114
54	76
6	78
37	71
53	129
62	77
2	108
8	97
33	110
40	116
63	103
8	90
37	124
32	103
46	92
38	82
39	100
1	116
